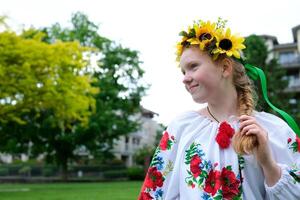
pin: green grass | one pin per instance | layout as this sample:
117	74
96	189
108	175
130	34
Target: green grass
71	191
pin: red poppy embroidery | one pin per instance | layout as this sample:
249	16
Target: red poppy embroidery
224	135
213	182
230	184
153	179
194	166
166	141
298	143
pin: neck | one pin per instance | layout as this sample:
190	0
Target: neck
224	105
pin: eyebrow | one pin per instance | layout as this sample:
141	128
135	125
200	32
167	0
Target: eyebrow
188	65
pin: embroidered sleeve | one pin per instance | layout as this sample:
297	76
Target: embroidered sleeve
288	158
161	166
288	187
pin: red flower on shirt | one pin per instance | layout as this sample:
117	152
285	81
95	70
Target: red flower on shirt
224	135
298	143
295	146
153	179
213	182
230	184
164	141
226	129
194	166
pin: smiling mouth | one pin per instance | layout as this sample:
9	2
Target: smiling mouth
192	88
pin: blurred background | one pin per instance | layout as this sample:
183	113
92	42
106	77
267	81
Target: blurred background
87	87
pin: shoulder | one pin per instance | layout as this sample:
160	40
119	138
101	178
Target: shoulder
274	125
268	119
183	121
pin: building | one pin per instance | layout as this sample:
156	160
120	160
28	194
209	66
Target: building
126	146
288	56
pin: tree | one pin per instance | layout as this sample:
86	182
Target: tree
44	92
256	54
119	78
70	116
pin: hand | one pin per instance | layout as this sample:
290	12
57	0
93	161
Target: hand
249	126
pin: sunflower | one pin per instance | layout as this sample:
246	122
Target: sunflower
179	47
229	44
205	33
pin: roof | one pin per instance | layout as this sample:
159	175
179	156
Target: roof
294	30
270	37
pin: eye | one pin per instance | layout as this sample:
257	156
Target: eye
193	66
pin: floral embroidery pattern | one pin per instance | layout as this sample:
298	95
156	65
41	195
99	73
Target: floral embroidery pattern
295	146
166	141
158	170
216	184
224	135
295	173
154	179
230	184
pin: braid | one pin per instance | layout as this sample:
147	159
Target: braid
246	105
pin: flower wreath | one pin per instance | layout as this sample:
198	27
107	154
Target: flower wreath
213	38
216	40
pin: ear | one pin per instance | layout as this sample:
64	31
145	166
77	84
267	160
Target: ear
227	67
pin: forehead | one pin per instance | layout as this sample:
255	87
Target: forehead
192	54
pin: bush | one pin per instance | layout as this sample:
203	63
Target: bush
135	173
115	174
48	171
3	171
25	170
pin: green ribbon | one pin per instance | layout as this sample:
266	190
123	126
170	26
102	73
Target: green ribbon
254	73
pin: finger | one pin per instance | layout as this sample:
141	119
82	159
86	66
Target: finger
245	117
247	122
247	128
253	131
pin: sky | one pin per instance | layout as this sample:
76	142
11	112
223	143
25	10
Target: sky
152	27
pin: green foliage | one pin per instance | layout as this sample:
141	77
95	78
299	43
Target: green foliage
36	76
119	78
136	173
25	170
45	93
4	171
48	171
50	101
141	154
257	54
115	174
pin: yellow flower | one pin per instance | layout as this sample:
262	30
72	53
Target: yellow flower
204	34
229	44
179	47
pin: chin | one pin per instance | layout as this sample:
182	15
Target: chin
199	100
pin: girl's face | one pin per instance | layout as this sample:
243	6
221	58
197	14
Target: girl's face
202	77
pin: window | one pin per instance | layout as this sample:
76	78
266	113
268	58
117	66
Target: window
287	57
136	141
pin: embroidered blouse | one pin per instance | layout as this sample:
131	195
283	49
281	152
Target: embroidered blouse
190	164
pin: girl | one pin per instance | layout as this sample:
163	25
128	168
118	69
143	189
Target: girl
226	150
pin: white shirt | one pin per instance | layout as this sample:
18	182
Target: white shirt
189	163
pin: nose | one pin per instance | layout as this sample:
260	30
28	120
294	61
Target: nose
187	79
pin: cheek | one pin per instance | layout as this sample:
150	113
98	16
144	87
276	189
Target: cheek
203	78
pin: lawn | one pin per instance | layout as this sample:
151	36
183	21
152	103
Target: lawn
71	191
